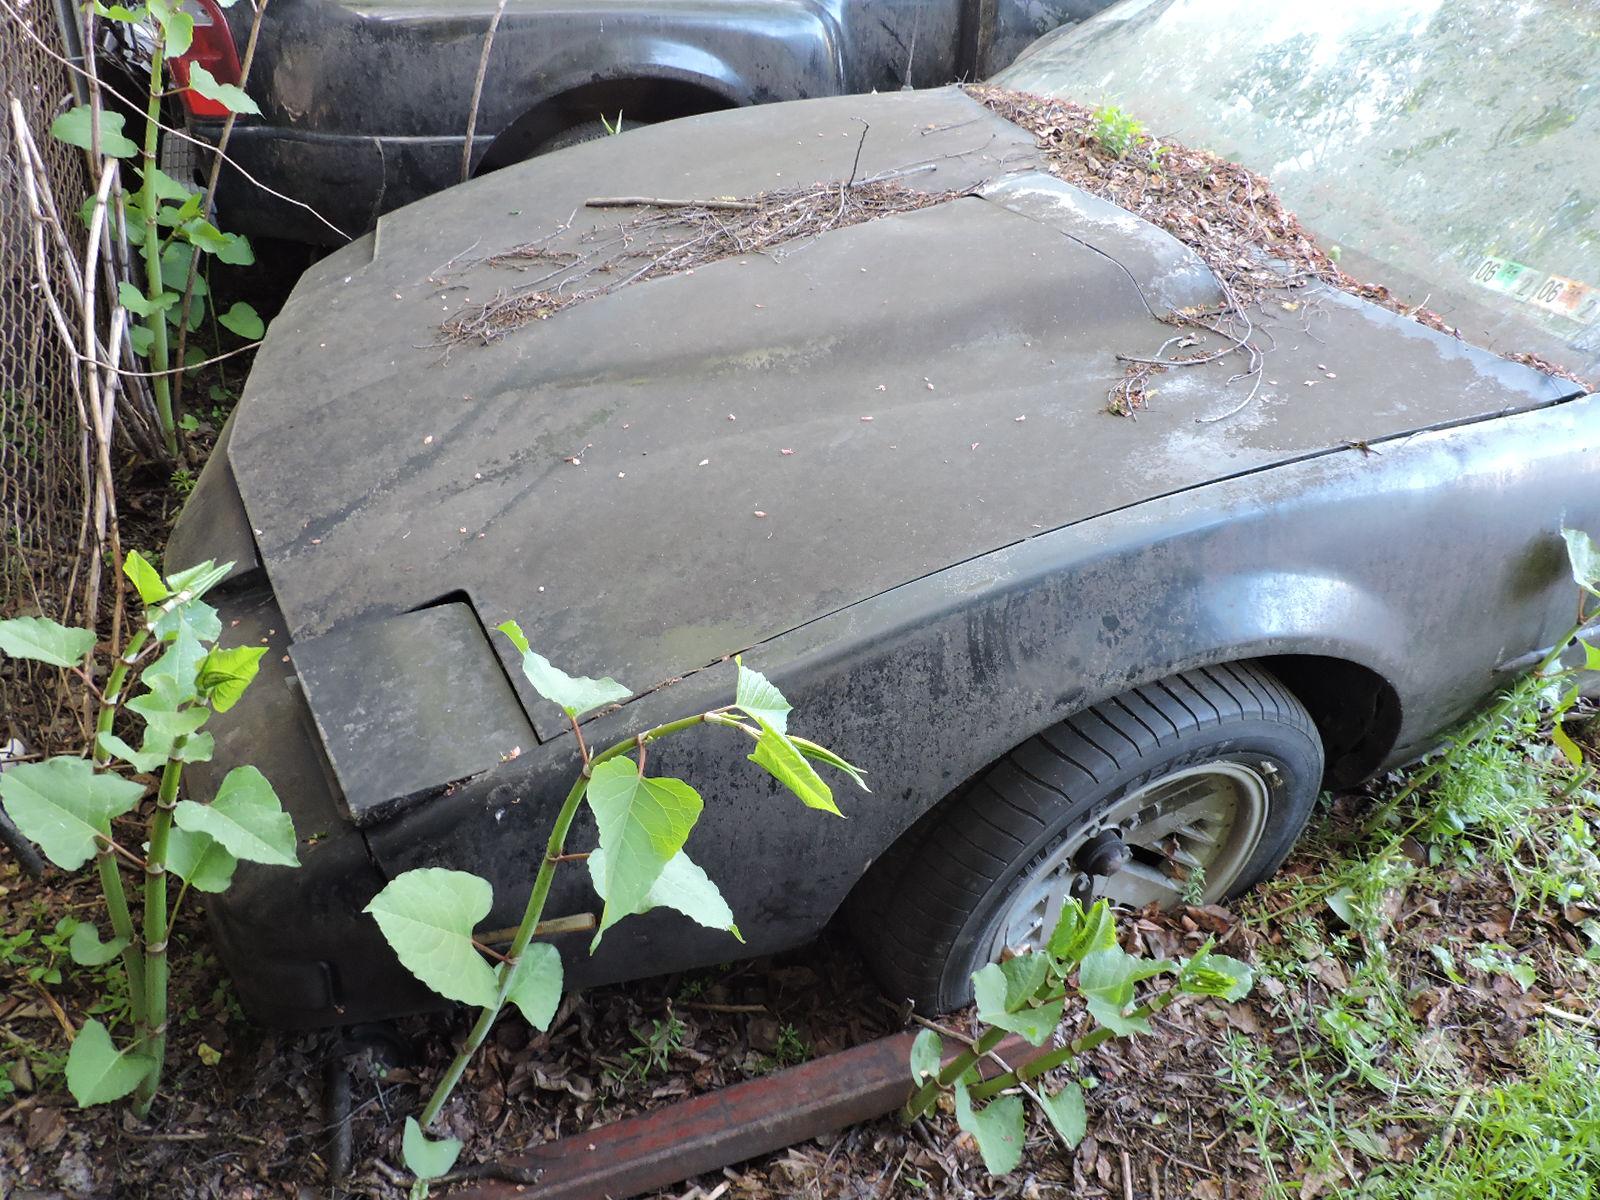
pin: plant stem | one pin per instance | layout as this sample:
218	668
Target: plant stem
156	928
105	857
923	1100
209	203
477	90
112	699
105	860
530	918
555	848
958	1066
150	204
1050	1059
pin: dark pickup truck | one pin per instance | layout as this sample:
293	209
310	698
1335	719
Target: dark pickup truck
365	102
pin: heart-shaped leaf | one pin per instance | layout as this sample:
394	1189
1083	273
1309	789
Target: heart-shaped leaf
1591	656
1210	974
143	760
74	127
145	579
88	950
246	817
171	678
62	803
224	674
575	694
1005	992
177	28
121	12
43	640
1584	557
98	1072
200	861
194	615
536	984
927	1056
166	187
997	1129
643	823
760	699
165	723
427	916
1065	1110
1106	981
232	98
426	1157
235	250
243	320
136	302
682	886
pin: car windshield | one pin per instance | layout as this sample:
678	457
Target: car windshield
1456	142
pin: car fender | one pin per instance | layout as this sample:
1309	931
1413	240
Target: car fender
747	55
1352	559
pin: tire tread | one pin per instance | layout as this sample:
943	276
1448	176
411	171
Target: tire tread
911	905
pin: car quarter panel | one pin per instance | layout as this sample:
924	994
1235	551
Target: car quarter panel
1430	559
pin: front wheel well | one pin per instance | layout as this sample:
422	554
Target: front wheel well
1356	711
646	99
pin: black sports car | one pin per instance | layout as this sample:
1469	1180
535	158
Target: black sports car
1077	652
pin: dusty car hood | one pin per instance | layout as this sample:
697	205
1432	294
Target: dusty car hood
940	377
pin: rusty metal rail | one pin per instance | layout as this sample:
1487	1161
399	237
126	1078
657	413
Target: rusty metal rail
641	1154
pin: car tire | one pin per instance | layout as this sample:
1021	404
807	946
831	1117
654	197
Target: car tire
1218	766
576	135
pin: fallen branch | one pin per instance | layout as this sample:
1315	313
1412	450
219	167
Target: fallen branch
653	202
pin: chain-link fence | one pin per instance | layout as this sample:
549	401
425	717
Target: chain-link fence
44	470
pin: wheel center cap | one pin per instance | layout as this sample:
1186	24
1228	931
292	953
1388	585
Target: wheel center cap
1104	854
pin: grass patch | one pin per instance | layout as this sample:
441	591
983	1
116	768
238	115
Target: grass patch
1432	966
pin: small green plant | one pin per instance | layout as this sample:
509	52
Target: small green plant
612	128
37	959
68	805
1194	885
790	1049
1120	135
427	915
183	479
1117	130
1027	995
1496	958
653	1054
